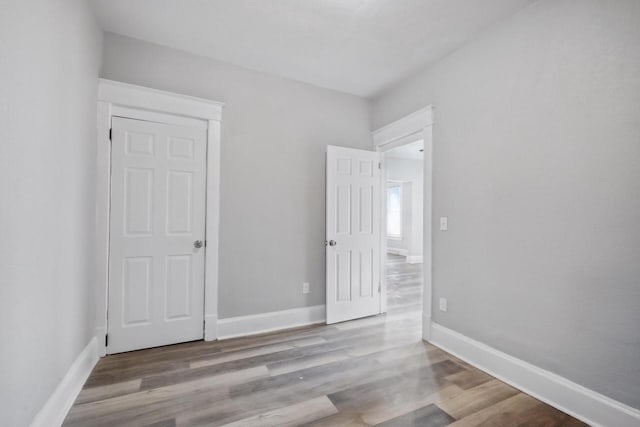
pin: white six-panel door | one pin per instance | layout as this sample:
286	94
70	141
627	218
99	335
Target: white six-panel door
353	233
157	221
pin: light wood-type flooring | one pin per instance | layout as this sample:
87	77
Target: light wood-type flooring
372	371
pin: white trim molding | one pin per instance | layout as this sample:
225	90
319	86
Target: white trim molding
57	406
253	324
409	128
143	103
145	98
580	402
210	327
397	251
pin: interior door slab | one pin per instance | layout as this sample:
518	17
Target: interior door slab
157	224
353	233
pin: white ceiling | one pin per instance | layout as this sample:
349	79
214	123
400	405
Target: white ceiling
355	46
408	152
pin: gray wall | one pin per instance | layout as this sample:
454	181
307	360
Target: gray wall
50	55
537	166
275	133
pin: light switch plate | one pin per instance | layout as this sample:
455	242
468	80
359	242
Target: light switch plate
305	288
444	223
443	304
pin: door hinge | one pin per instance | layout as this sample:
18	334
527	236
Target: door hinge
379	165
110	134
379	288
106	340
205	243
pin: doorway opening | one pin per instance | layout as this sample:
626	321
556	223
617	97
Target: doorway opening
409	134
403	228
362	227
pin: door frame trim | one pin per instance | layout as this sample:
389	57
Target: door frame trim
406	130
127	100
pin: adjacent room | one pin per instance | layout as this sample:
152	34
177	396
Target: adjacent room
404	209
319	213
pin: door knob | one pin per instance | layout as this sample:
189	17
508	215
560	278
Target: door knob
332	243
197	244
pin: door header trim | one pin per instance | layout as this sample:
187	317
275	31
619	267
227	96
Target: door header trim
124	99
145	98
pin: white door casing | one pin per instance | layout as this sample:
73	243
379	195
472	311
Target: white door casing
353	233
156	272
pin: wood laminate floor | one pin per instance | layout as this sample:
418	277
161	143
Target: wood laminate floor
372	371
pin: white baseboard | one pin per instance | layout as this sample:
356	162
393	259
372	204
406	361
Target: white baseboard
582	403
57	406
210	327
414	259
268	322
397	251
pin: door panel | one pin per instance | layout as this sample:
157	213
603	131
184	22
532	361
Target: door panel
135	290
353	223
179	203
138	194
178	281
156	275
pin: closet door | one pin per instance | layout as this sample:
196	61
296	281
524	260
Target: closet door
157	229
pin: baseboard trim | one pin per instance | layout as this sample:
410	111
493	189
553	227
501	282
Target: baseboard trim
414	259
57	406
210	327
582	403
241	326
397	251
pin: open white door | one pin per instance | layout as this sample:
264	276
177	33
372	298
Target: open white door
156	258
353	233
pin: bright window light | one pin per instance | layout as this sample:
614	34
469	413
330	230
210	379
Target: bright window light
394	210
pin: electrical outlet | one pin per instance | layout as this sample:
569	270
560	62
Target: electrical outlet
444	223
443	304
305	288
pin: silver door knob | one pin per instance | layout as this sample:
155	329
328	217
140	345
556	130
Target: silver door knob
197	244
332	243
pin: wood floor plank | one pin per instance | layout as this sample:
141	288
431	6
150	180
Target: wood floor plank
340	419
112	390
263	394
285	336
240	354
171	422
469	378
305	362
477	398
382	413
409	389
304	342
503	413
545	416
213	387
183	374
427	416
289	416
